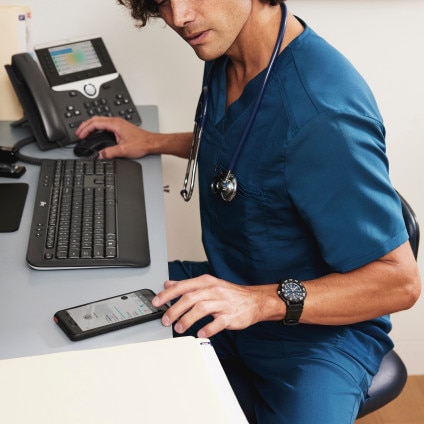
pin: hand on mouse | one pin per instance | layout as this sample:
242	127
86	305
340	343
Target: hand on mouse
135	142
132	142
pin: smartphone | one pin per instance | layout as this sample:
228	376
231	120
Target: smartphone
113	313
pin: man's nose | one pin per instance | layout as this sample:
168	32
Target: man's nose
182	12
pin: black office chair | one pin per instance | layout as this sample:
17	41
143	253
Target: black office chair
386	384
391	377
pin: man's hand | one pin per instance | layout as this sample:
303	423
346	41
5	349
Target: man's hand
132	141
232	306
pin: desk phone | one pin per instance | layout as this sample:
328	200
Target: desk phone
74	80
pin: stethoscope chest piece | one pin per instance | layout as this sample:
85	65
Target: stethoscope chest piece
225	184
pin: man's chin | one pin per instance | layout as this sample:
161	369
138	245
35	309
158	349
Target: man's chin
206	55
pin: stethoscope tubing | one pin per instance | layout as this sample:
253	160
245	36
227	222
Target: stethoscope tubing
254	111
200	121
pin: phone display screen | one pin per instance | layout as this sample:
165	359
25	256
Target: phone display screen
75	57
110	311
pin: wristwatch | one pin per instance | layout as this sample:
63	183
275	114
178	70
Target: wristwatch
292	292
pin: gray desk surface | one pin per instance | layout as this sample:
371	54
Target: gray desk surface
29	298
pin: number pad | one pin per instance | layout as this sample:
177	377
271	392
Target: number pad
121	106
98	108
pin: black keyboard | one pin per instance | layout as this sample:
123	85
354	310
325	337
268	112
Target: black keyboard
89	214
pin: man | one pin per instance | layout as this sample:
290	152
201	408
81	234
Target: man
315	215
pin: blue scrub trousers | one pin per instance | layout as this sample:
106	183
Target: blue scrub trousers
281	378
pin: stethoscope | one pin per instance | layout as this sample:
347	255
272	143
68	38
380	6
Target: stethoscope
225	183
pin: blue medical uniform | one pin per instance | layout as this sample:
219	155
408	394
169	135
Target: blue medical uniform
314	197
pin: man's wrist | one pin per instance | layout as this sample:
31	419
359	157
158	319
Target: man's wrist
293	293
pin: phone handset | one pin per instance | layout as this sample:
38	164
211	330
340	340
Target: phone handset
35	96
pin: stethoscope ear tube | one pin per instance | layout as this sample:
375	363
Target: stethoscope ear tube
201	111
191	166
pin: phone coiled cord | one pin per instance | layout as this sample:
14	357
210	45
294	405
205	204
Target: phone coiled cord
24	158
37	161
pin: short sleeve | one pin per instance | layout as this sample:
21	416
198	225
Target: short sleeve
337	175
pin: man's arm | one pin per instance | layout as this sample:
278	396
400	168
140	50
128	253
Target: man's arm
134	142
389	284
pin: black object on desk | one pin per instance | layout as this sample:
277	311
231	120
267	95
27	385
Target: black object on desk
89	214
12	200
8	167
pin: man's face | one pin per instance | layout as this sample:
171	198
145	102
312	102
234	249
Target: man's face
209	26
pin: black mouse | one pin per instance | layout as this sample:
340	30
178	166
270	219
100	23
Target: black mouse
94	143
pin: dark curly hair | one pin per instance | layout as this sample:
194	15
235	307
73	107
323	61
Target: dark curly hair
143	10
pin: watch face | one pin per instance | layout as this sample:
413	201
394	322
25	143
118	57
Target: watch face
293	291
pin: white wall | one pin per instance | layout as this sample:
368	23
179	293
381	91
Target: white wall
383	38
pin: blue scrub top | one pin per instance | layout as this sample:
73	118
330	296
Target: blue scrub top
314	194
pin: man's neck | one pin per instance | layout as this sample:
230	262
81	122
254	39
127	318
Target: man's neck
251	52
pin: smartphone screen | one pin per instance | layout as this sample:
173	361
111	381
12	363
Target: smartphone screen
111	311
108	314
